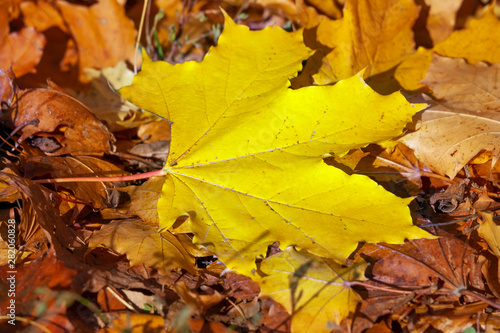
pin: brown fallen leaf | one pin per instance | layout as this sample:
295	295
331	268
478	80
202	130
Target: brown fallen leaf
45	272
448	201
464	121
97	194
462	86
438	272
425	264
48	111
42	15
198	302
21	50
104	35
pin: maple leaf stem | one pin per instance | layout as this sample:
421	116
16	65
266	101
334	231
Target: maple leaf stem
138	176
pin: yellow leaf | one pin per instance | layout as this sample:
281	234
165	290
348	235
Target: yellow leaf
478	42
374	34
490	232
245	161
314	291
143	244
412	69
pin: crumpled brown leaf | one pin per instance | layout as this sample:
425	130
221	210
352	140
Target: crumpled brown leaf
52	112
21	50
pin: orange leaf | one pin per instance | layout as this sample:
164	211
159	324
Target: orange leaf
103	33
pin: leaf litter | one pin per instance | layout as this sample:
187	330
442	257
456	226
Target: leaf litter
111	243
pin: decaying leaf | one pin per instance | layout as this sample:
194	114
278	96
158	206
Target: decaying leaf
252	146
44	273
420	264
143	244
465	120
314	291
49	111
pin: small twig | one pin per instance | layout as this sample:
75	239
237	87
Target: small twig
139	33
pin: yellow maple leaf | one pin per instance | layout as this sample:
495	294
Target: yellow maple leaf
314	291
245	161
374	34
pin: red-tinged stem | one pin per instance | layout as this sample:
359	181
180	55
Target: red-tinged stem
138	176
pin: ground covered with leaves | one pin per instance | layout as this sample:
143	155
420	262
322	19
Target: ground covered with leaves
270	166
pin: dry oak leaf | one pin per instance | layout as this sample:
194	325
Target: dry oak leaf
466	119
314	291
373	34
245	161
142	244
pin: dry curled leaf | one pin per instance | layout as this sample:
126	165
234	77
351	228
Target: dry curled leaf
53	113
